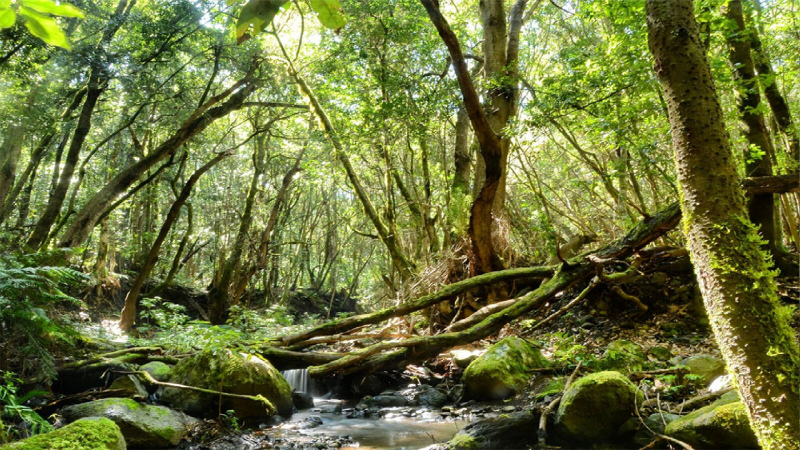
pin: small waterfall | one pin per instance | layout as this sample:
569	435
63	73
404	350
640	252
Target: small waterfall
298	379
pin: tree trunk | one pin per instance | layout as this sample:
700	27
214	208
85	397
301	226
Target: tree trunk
761	207
86	219
732	270
9	158
128	316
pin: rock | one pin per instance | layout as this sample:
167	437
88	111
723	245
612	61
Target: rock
720	383
132	385
96	433
157	370
302	400
425	395
655	422
623	356
233	372
517	430
594	407
660	353
463	358
503	370
722	424
706	367
384	401
144	426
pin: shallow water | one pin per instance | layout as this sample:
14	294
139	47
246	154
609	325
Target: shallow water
392	432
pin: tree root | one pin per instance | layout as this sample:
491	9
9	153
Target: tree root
552	405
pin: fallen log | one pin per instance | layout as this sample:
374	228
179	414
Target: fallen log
405	352
348	323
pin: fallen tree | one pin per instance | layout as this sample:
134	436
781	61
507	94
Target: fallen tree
386	355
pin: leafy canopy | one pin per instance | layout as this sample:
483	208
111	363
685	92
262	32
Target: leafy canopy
40	18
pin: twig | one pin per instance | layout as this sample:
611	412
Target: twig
700	399
595	281
549	409
651	373
658	435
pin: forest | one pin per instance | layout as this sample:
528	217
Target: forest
399	224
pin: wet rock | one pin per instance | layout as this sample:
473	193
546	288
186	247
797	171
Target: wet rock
157	370
96	433
660	353
425	395
594	407
517	431
623	356
233	372
144	426
504	370
706	367
302	400
722	424
131	385
383	401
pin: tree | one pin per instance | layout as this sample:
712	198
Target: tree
732	270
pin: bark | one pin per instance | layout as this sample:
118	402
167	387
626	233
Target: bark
98	79
128	316
10	151
733	275
86	219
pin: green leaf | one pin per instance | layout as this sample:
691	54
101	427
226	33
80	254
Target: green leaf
47	6
7	18
258	13
330	13
5	4
44	27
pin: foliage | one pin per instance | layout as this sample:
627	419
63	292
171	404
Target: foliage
17	420
39	18
257	14
27	288
162	314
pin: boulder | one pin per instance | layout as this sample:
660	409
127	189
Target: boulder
231	372
594	407
425	395
514	431
144	426
96	433
722	424
383	401
463	358
623	356
157	370
660	353
132	385
302	400
706	367
504	370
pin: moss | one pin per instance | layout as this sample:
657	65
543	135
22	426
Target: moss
723	423
504	369
91	433
463	442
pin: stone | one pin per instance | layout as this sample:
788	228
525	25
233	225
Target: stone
384	401
623	356
463	358
596	406
232	372
132	385
158	370
657	423
517	430
504	370
722	424
425	395
143	426
96	433
302	400
706	367
660	353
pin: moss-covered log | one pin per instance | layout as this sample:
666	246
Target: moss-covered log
419	348
447	292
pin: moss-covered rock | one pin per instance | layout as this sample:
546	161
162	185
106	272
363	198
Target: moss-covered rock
660	353
144	426
623	356
517	430
504	370
158	370
722	424
232	372
91	433
132	385
706	367
594	407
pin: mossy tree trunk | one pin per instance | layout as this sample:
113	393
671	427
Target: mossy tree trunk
732	270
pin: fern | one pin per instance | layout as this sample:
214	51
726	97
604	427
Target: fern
27	290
